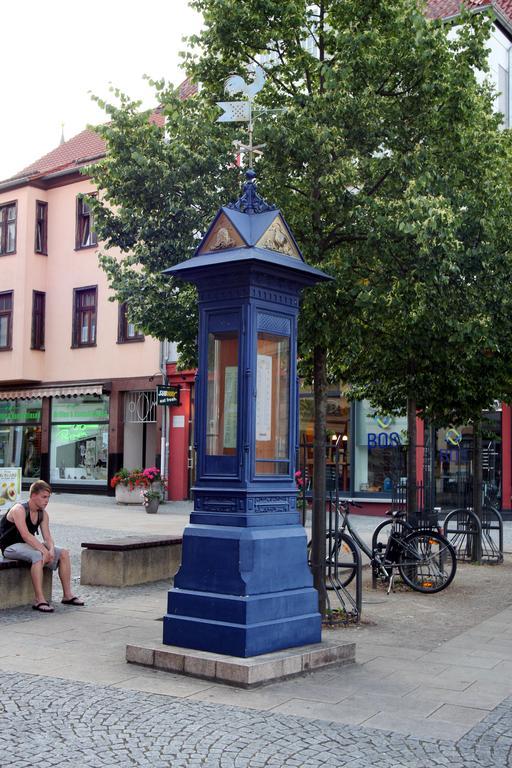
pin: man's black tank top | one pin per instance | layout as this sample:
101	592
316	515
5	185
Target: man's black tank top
9	534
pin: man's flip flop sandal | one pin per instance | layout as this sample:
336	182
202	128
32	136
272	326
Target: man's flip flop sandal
73	601
43	608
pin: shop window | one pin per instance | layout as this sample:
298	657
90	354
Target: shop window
454	463
378	454
85	233
84	316
7	228
38	319
338	440
79	440
41	240
6	307
127	331
20	436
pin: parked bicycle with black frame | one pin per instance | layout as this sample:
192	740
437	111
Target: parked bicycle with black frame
425	559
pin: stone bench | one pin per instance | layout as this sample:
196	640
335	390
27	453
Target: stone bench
129	560
16	584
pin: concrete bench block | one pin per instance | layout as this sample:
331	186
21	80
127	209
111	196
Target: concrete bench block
125	562
16	585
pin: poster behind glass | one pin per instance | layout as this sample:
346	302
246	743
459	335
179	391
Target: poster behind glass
272	425
222	394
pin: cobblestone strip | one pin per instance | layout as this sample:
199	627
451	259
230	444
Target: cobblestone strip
51	722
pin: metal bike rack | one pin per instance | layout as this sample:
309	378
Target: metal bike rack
462	528
492	535
350	605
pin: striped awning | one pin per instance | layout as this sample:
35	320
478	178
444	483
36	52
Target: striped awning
63	391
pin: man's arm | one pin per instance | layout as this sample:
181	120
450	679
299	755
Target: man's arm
47	537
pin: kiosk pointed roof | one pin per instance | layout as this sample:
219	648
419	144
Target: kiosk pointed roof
250	230
249	221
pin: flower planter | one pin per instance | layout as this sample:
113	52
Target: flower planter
126	496
130	483
152	506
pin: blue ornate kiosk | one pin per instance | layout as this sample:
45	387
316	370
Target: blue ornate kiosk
244	587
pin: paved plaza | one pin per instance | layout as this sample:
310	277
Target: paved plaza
432	683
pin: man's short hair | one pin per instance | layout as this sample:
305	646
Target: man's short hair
38	486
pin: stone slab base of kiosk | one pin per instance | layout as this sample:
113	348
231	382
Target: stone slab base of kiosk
242	672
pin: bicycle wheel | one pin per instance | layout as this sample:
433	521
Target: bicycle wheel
427	561
340	561
380	536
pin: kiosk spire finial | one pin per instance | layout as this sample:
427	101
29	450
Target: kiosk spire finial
250	201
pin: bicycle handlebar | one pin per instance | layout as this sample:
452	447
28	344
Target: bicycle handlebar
350	503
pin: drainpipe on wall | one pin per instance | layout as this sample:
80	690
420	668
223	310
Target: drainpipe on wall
164	441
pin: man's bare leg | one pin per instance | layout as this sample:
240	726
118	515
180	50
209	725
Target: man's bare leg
65	574
36	573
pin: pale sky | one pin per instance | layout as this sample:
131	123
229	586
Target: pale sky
56	51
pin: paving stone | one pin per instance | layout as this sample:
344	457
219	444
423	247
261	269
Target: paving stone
92	726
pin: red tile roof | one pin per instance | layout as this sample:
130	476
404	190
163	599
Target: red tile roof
442	9
81	149
187	88
85	146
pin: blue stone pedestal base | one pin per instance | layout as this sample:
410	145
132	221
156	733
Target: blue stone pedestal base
243	591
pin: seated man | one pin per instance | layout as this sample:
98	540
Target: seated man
18	542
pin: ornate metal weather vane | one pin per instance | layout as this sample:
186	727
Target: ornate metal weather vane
242	111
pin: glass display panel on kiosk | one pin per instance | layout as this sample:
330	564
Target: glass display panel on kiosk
272	404
222	394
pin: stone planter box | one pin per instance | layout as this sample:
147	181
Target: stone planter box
125	496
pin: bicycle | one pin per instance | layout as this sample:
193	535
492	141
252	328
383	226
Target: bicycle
424	558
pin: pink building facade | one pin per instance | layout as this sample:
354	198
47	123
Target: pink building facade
77	379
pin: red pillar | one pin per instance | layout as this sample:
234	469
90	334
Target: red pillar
179	433
506	464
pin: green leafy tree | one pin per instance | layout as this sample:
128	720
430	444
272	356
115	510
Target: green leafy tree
380	146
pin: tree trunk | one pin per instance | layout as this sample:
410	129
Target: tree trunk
412	502
318	550
477	485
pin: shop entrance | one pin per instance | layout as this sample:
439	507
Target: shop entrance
141	445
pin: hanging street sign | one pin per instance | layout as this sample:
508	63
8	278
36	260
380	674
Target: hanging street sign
168	395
